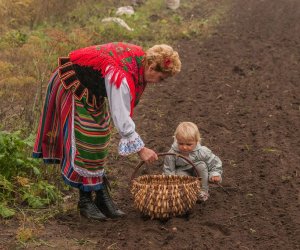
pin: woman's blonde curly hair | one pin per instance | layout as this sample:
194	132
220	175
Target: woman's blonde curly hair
165	58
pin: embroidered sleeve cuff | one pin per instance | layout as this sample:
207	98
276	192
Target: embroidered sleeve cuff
131	144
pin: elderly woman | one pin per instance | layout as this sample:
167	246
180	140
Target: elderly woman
89	88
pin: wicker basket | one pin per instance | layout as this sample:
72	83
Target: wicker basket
165	196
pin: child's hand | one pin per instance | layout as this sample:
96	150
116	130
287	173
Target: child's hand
215	179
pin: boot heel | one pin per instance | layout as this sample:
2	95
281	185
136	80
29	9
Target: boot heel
106	205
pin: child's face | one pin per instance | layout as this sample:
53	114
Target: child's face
186	146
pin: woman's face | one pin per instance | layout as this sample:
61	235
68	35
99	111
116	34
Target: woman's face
153	76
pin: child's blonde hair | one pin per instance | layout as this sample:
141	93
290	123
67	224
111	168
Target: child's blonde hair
187	131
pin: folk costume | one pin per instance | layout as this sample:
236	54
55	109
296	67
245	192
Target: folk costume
88	89
206	162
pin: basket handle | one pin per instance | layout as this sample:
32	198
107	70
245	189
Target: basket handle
163	154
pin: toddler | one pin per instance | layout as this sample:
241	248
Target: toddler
187	143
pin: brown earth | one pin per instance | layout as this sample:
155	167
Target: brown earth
241	87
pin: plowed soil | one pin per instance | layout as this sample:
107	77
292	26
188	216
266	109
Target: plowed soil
241	87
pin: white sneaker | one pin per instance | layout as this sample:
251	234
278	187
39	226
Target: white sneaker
203	196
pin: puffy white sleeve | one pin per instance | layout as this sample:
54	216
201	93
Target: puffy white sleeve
119	104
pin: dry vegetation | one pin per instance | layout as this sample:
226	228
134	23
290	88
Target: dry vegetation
35	32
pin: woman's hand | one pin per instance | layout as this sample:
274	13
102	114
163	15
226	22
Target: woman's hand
147	155
215	179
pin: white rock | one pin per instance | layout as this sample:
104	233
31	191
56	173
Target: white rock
118	21
173	4
126	10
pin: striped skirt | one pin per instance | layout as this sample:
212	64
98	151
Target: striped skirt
75	134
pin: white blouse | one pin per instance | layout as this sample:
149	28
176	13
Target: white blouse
119	104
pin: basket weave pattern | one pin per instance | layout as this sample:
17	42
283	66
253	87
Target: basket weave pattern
164	196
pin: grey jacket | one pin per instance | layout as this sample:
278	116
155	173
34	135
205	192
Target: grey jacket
199	155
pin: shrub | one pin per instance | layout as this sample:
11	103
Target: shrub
20	178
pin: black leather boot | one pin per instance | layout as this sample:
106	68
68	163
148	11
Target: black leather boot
88	208
106	205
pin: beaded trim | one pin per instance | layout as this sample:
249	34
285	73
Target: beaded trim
69	80
86	173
